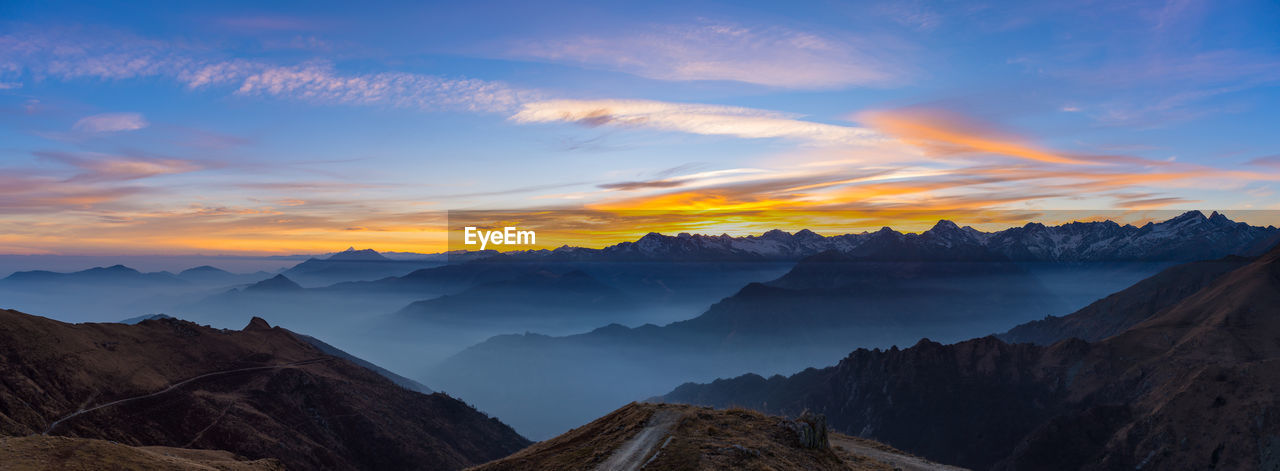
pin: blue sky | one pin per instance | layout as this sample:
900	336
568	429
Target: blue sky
177	127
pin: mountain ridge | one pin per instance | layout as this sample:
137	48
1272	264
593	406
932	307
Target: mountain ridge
260	392
1192	385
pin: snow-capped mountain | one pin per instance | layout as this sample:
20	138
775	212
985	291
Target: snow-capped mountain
1190	236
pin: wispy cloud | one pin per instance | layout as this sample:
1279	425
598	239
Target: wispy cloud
115	56
320	83
711	120
111	122
966	163
771	56
1266	161
38	194
944	133
97	167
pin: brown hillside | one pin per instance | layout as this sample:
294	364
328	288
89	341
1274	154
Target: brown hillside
259	393
658	437
43	453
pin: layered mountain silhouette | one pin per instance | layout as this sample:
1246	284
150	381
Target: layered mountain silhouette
892	289
1190	386
527	300
208	275
261	392
353	265
276	283
1187	237
1119	311
116	275
116	291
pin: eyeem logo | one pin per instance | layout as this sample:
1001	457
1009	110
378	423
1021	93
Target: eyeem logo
506	236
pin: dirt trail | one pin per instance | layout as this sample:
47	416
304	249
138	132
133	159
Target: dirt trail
897	460
176	386
631	455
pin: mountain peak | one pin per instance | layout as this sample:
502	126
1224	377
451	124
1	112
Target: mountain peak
944	225
114	269
1220	219
1194	214
257	323
352	254
807	234
276	283
776	234
203	270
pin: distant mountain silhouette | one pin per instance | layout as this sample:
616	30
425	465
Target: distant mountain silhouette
354	265
208	275
1191	386
147	317
1187	237
260	393
351	254
892	289
276	283
447	279
525	298
112	275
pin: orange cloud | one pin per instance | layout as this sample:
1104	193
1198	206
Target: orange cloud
944	133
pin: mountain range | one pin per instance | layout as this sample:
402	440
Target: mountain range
1187	237
1187	383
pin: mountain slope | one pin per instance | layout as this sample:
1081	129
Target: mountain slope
1193	386
41	453
671	437
259	393
1121	310
335	351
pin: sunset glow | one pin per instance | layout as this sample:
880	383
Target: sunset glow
207	129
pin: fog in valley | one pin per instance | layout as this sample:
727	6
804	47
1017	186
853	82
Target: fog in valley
548	345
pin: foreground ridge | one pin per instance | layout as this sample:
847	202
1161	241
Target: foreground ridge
670	436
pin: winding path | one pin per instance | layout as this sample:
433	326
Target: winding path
178	385
631	455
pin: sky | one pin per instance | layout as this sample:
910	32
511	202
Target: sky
306	127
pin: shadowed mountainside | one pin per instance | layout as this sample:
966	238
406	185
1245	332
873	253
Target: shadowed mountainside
1119	311
260	393
1191	386
45	453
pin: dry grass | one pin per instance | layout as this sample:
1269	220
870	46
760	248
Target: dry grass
41	453
702	439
